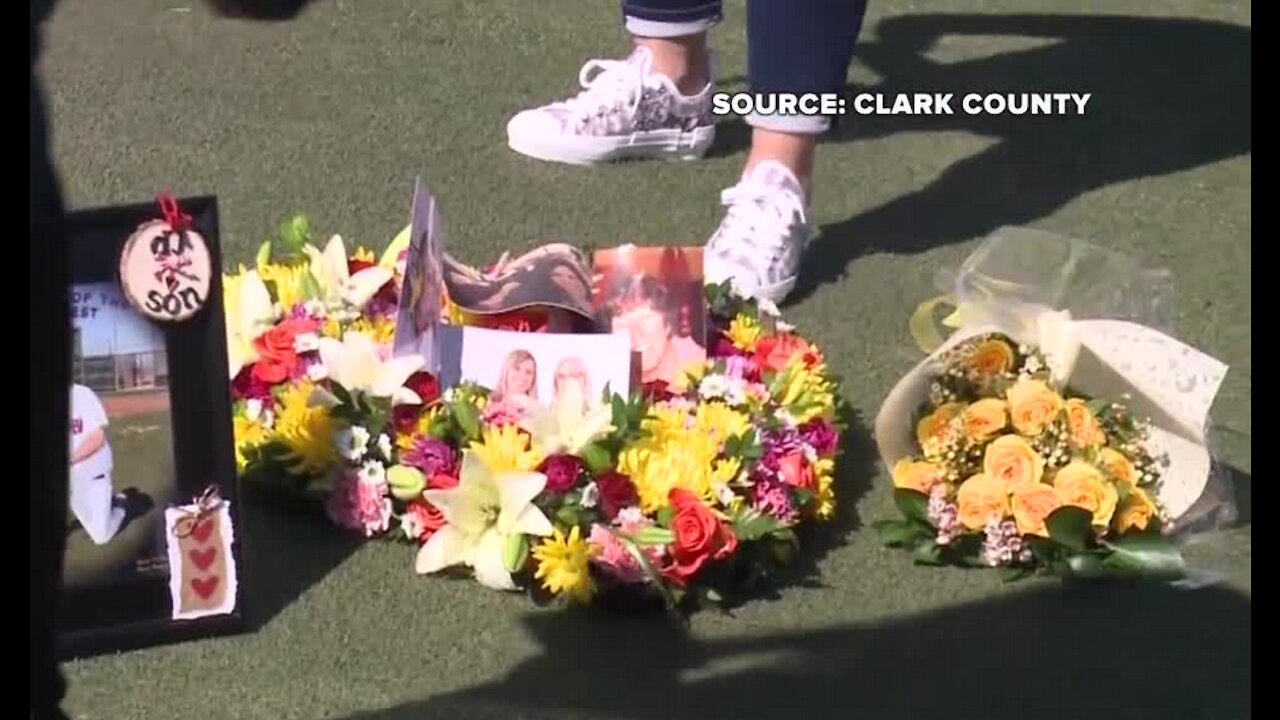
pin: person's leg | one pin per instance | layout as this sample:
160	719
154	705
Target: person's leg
794	47
48	382
654	104
94	503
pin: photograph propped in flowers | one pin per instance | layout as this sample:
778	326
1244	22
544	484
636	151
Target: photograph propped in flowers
676	493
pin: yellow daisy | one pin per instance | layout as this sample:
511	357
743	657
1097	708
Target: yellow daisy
364	254
564	565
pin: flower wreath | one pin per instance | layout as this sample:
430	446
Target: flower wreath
680	490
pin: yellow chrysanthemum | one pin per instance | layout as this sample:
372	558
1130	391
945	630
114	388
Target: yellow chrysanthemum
720	421
382	330
286	282
307	431
658	468
564	565
506	449
364	254
744	331
248	434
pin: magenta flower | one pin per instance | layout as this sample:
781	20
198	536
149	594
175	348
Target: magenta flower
773	498
431	456
821	436
562	473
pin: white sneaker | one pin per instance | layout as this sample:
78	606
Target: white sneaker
758	246
625	111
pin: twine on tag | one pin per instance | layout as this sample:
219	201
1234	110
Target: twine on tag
206	504
177	219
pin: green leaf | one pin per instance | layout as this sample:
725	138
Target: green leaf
665	515
753	525
343	395
1086	564
1014	574
899	533
654	536
1147	554
516	552
468	421
1097	405
928	553
596	458
568	515
912	504
1070	527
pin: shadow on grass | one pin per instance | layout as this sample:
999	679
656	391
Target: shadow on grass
291	545
1104	651
1168	95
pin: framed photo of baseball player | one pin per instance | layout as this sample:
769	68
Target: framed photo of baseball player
153	544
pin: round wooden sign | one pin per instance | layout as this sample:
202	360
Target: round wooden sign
165	273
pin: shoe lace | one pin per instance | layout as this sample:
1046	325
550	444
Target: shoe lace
758	220
609	86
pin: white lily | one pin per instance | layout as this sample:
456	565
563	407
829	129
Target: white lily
569	426
337	285
482	513
249	312
357	365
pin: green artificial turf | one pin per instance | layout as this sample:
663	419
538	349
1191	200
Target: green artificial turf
334	113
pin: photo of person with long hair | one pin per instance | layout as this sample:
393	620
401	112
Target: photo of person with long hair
572	380
641	307
517	380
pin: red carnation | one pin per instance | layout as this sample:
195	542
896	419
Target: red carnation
616	492
562	473
425	386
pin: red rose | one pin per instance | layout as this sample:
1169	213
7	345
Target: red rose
442	481
616	492
562	473
700	536
354	266
277	358
428	516
796	471
773	352
425	386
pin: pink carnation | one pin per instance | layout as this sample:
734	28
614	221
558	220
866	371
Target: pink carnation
360	504
613	558
772	497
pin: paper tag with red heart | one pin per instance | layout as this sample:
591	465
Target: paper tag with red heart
202	570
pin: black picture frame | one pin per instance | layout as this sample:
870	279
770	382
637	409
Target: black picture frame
137	612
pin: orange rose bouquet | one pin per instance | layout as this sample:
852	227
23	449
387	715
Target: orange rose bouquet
1016	471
